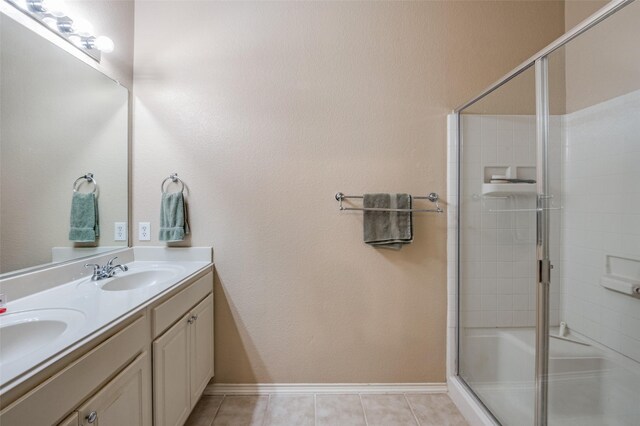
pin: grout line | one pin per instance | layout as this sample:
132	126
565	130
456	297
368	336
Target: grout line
315	409
411	408
217	410
266	411
364	413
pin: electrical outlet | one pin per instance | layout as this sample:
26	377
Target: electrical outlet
120	231
144	231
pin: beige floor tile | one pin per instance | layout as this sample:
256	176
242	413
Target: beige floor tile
289	410
387	410
436	410
339	410
204	411
241	411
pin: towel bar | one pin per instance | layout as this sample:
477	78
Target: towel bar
433	197
89	178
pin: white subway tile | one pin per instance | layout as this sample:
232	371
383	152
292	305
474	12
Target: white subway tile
489	270
505	302
505	286
489	286
504	319
520	302
489	302
489	318
521	319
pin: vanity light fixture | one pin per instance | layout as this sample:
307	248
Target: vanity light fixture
76	30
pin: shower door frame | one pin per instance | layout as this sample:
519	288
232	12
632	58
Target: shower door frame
540	63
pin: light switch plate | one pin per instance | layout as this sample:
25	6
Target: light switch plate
144	231
120	231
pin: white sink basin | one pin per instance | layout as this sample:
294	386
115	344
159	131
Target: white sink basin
22	333
133	280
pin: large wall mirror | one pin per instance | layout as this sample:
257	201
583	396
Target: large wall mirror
60	119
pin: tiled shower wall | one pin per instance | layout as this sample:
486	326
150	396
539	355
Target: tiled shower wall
595	175
601	217
497	245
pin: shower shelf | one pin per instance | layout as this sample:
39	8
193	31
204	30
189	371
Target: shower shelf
508	188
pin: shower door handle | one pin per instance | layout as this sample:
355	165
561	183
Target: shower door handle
544	271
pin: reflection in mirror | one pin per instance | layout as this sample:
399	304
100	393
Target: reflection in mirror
60	119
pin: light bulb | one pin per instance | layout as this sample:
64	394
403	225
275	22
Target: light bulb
51	22
54	7
82	27
104	44
65	25
35	6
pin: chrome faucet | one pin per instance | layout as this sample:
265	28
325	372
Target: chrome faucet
106	271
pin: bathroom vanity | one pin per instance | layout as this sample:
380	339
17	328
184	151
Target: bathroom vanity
133	349
130	345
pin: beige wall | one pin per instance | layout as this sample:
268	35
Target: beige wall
604	62
576	11
266	110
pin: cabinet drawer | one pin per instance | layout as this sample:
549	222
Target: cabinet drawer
170	311
55	397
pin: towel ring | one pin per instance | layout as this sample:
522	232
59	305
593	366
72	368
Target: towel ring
173	177
89	178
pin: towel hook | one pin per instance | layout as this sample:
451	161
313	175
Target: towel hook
173	177
89	178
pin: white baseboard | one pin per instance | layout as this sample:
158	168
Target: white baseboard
333	388
467	404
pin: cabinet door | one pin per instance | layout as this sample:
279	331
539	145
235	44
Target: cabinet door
171	363
72	420
201	347
125	400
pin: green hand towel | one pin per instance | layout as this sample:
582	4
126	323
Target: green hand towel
383	229
84	218
173	217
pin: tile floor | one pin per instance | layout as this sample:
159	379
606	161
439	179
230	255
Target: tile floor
326	410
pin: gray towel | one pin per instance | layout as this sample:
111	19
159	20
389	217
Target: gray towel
173	217
387	229
85	225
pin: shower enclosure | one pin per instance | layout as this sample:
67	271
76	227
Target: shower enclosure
548	232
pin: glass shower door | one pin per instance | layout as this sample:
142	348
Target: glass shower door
497	249
549	232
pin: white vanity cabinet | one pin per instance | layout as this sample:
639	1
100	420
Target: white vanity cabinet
100	369
183	354
108	382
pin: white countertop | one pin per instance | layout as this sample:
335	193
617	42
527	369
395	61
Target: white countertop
89	309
